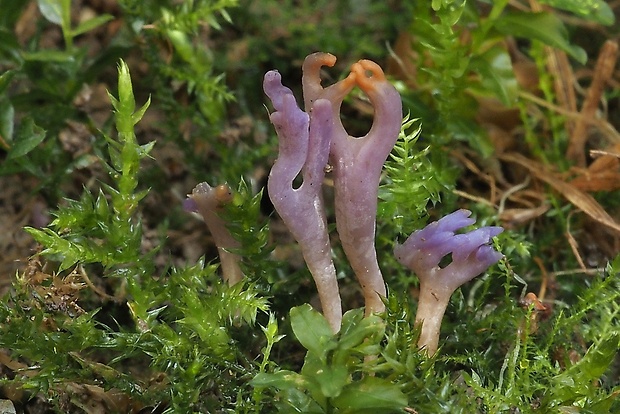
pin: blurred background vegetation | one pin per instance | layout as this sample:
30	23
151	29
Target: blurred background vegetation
519	108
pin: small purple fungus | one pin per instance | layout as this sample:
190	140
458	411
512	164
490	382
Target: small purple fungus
423	250
208	202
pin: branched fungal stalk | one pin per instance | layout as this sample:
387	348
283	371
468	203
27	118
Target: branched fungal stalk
208	202
307	140
422	252
304	141
357	163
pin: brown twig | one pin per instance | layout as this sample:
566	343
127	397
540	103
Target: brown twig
472	197
573	243
598	153
561	72
603	71
590	272
91	285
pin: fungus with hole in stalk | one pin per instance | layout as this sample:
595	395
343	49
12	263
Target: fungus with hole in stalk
357	163
208	202
304	142
422	253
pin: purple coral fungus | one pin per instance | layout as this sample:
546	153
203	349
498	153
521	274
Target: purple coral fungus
357	164
307	139
304	141
422	252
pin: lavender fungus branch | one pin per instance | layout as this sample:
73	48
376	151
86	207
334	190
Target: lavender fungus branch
357	163
304	141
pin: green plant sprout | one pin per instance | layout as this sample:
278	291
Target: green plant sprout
327	382
51	77
59	12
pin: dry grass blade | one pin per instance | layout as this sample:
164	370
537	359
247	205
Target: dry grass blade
579	199
602	175
612	153
603	71
562	74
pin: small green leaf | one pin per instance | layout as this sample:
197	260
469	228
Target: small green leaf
604	403
27	137
597	11
6	120
225	16
473	380
311	329
282	380
101	206
545	27
450	11
89	25
57	56
370	395
497	75
182	44
5	79
67	252
137	116
271	330
314	364
332	380
51	10
579	379
126	101
44	237
356	329
212	21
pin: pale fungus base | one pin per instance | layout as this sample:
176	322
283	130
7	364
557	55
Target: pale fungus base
208	202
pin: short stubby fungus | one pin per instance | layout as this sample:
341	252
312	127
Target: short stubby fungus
208	202
422	252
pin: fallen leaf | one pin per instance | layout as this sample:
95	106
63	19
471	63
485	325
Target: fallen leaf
583	201
603	174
